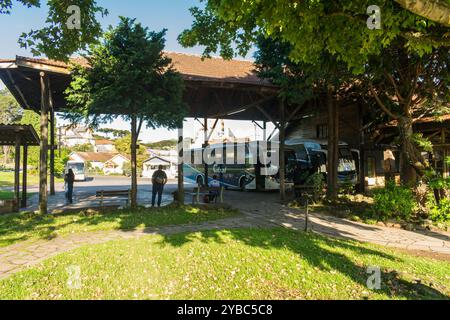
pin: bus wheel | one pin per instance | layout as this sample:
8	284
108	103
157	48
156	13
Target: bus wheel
242	184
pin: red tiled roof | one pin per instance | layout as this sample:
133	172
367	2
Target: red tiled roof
103	142
192	67
96	156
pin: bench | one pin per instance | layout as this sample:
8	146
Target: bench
124	194
205	191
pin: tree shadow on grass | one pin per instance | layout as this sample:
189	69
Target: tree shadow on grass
24	226
319	252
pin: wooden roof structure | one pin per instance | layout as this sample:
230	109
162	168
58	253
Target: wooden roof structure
9	133
215	88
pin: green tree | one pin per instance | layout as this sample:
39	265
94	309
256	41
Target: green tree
128	77
435	10
59	39
87	147
315	29
116	133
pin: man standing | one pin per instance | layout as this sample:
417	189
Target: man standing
159	180
69	180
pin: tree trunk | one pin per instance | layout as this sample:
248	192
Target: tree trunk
435	10
333	147
408	152
133	162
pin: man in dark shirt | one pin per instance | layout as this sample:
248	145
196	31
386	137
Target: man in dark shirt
69	180
159	180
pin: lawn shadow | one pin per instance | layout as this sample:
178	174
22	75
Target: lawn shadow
318	251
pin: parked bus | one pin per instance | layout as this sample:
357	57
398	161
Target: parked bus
313	154
248	174
79	169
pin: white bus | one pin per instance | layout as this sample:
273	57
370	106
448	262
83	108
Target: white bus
247	174
79	169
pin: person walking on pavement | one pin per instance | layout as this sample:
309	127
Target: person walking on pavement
159	180
69	180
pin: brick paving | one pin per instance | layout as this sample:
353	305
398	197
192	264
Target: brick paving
259	211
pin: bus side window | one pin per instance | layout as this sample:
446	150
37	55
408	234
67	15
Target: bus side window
302	154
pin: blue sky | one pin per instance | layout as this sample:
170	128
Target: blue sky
173	15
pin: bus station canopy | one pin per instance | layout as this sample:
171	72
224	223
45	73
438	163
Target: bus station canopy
215	88
9	134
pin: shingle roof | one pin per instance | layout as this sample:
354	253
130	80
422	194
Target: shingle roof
96	156
192	67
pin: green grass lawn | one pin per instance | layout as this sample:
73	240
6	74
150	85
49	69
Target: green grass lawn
7	179
18	227
6	195
231	264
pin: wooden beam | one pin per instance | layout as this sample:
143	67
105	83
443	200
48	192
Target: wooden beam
268	116
19	92
43	196
17	173
52	143
282	148
212	130
24	176
180	166
205	127
242	108
333	146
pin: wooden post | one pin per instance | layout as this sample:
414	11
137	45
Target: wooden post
333	146
444	153
282	149
43	196
362	169
180	166
24	176
52	148
133	162
205	127
17	174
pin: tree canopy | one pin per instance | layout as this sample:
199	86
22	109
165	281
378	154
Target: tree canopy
312	27
67	29
130	77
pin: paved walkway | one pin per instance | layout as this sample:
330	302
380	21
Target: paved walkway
260	211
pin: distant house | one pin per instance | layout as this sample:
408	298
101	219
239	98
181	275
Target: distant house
115	164
108	162
74	136
103	145
152	164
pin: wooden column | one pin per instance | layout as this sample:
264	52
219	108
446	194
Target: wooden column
180	166
52	148
17	173
24	176
43	196
205	127
362	169
333	146
282	150
444	153
133	161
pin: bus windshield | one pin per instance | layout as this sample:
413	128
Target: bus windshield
78	168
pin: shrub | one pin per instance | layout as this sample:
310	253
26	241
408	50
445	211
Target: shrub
394	202
439	212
